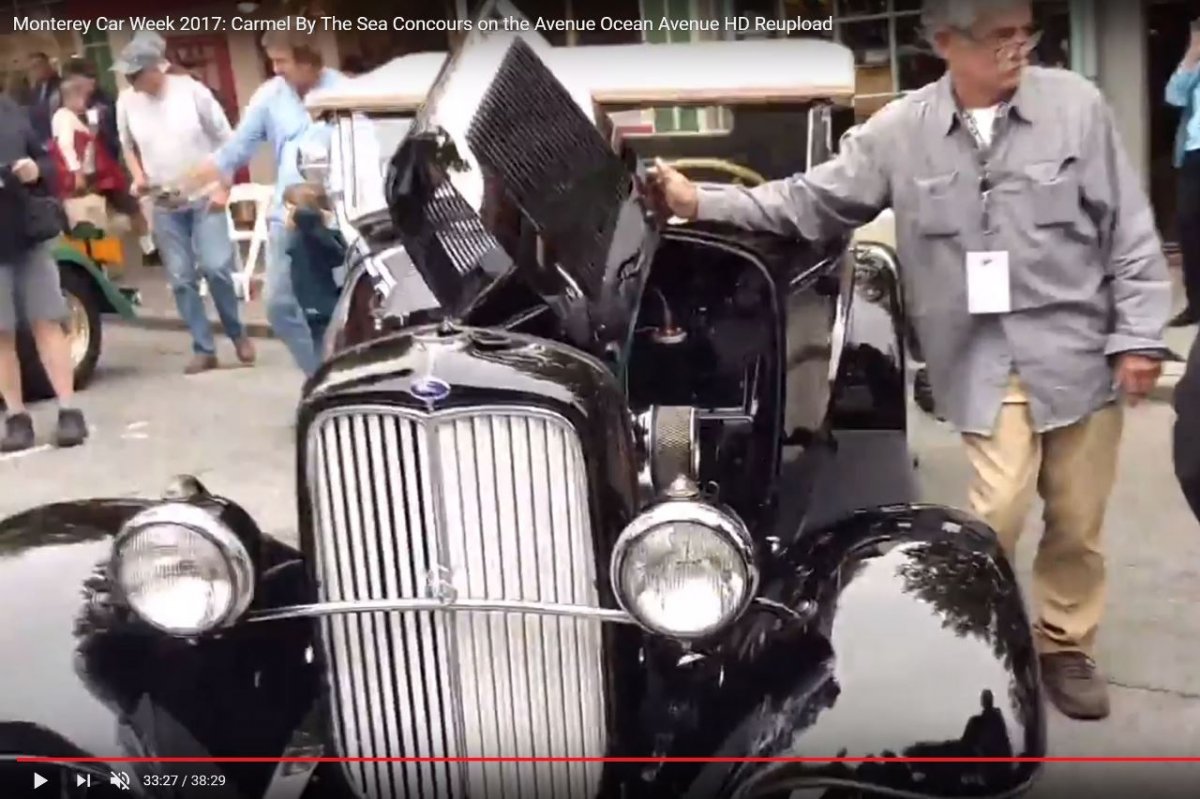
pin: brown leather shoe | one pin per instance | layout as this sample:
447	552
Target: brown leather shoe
200	363
244	348
1074	685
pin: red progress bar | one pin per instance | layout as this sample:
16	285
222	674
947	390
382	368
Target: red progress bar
608	759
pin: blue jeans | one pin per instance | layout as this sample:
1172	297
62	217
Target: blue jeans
194	243
287	318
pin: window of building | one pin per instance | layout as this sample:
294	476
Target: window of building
674	118
892	56
98	51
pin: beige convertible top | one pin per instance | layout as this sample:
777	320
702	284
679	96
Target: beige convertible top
757	72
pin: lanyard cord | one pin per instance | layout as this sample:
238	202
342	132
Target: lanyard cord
982	149
981	144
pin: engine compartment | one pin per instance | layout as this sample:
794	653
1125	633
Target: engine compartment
703	329
707	338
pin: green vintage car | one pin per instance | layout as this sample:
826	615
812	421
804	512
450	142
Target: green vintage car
91	295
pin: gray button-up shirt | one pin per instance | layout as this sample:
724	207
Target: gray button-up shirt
1087	272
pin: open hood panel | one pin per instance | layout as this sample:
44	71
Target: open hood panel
507	171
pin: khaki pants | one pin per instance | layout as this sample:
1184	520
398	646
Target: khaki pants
1073	469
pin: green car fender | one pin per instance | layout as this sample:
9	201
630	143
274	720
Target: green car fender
114	301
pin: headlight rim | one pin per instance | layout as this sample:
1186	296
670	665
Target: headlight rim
214	529
719	519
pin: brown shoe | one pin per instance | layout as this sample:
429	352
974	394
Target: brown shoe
1074	685
244	348
200	363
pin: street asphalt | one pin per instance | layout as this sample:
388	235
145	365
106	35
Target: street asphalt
233	429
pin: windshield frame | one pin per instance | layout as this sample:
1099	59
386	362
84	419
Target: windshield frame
357	195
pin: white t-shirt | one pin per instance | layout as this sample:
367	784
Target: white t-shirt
173	132
985	120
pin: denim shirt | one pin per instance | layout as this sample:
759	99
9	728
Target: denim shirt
1183	91
276	115
1088	275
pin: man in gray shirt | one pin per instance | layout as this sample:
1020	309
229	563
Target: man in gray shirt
1034	275
168	124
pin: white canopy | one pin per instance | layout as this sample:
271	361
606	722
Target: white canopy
700	73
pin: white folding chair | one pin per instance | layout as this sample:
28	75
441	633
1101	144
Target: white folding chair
256	237
260	194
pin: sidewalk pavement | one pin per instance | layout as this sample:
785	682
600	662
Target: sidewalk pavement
157	311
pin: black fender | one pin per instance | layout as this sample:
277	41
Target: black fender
83	678
870	387
897	632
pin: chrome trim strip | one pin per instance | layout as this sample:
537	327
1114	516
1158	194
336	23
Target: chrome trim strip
842	310
421	415
459	605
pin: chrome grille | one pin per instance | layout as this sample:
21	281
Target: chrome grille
492	504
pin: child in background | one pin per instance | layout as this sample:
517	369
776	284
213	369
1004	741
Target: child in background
317	252
74	141
85	166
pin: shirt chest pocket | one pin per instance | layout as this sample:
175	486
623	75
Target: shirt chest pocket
1053	188
938	204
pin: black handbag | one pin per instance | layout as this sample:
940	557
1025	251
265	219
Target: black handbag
44	218
39	215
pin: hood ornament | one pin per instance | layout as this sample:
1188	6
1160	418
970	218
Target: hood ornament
429	389
425	387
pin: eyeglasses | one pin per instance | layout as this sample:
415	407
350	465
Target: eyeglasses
1018	42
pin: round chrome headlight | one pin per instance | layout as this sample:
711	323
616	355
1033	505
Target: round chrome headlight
182	570
684	569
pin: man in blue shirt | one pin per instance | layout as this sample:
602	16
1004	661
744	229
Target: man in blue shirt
276	115
1183	91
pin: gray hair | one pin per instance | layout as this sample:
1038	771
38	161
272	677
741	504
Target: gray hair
937	15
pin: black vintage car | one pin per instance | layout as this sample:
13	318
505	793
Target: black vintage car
631	502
